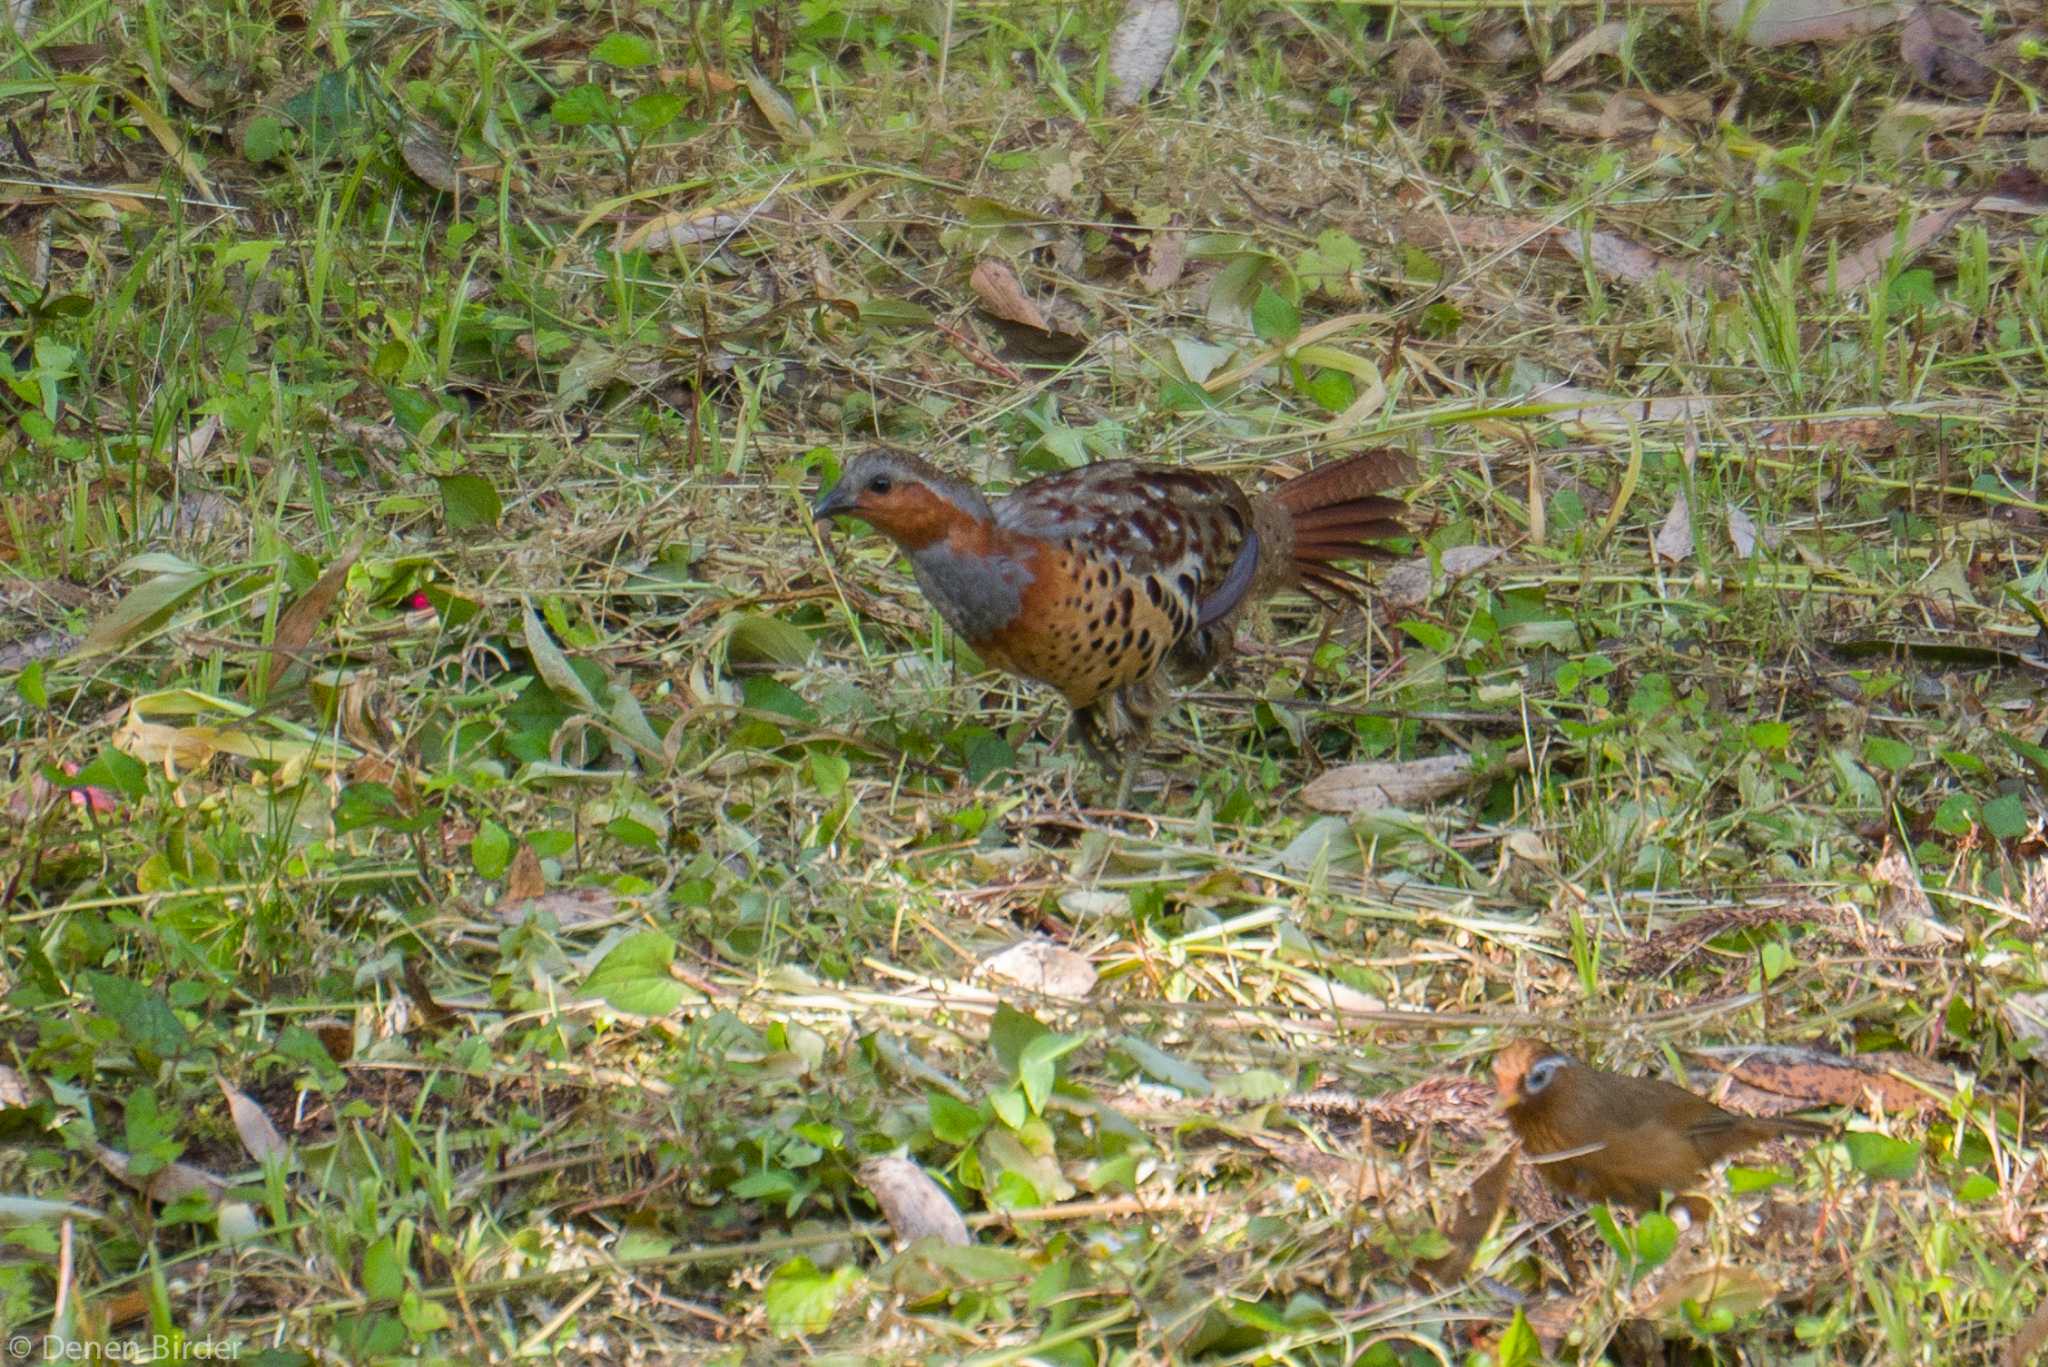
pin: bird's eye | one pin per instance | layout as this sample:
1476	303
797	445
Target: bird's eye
1540	1074
880	484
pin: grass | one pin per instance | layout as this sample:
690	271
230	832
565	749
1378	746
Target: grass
483	874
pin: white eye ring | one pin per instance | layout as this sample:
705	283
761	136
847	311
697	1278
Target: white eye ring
1542	1071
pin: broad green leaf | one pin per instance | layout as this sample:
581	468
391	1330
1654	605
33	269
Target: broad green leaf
633	976
800	1299
146	603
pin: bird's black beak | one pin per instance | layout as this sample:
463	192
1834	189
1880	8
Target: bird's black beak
834	501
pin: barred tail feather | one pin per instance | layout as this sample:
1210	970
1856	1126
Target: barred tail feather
1338	511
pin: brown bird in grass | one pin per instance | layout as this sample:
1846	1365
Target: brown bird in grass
1099	580
1601	1136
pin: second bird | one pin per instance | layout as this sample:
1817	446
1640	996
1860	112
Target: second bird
1604	1136
1099	579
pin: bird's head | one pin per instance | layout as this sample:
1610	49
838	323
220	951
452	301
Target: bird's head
902	496
1524	1070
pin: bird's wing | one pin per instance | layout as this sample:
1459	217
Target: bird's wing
1188	531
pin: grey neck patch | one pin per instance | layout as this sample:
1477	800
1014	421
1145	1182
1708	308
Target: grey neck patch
978	595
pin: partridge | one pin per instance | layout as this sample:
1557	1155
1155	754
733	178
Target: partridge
1602	1136
1099	580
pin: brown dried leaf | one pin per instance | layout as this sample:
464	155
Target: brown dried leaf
1408	584
1166	258
1403	783
1867	261
1042	966
776	108
1776	23
1673	541
1720	1286
1602	40
1841	434
915	1206
297	623
1002	294
1945	50
1142	48
1768	1079
525	881
13	1088
172	1182
259	1136
431	157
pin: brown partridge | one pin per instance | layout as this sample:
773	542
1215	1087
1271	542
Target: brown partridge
1601	1136
1098	580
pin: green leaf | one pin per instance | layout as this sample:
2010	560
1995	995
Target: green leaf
757	636
1771	737
652	112
1009	1032
633	976
1881	1156
490	853
263	138
146	1019
122	773
1656	1239
1518	1346
1274	317
552	665
383	1272
625	50
2006	817
1164	1067
586	104
469	501
800	1299
1887	753
146	603
954	1121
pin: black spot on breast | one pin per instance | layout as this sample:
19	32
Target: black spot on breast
1187	584
1154	592
1125	602
1145	641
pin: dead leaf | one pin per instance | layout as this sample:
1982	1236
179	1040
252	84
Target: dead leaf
1741	532
297	623
1673	541
258	1135
1399	783
172	1182
431	157
1141	49
1166	258
1602	40
1408	584
1840	434
1717	1286
691	228
1776	23
13	1089
1769	1079
1902	903
776	108
1945	49
2031	1338
1002	294
1867	261
525	881
1041	966
915	1206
